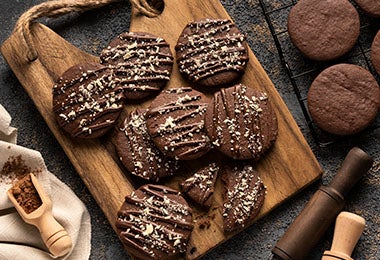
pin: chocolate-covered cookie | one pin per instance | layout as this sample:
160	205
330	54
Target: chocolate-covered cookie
200	187
241	122
154	222
175	121
244	194
86	100
323	30
211	52
370	7
344	99
137	151
142	63
375	52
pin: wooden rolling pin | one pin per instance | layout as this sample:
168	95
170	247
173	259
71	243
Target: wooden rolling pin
322	209
53	234
348	229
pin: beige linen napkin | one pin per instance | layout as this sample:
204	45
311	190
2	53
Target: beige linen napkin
20	241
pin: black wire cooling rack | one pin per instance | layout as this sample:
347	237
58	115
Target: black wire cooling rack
302	71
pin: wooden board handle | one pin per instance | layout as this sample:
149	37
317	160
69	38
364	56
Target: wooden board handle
60	7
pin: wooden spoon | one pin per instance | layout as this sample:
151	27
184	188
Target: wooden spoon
53	234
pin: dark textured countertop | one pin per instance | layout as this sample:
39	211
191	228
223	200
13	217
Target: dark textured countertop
92	30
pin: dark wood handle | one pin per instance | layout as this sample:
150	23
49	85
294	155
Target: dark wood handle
354	166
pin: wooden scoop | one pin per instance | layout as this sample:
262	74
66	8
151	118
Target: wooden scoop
53	234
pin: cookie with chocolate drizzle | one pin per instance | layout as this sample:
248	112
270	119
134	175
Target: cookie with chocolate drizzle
241	122
154	222
212	52
200	186
244	194
175	121
137	151
87	101
141	61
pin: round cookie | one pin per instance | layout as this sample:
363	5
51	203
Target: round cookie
87	101
243	196
142	63
323	30
211	52
344	99
154	222
370	7
175	121
137	151
241	122
375	52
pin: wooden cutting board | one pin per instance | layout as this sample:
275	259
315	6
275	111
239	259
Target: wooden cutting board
286	169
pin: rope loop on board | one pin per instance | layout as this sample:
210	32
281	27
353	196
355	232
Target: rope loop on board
56	8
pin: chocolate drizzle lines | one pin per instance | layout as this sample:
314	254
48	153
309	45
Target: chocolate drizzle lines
141	62
200	186
148	162
237	121
178	128
211	48
244	196
156	220
85	100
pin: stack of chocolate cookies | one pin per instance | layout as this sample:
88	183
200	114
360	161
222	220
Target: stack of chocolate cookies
180	124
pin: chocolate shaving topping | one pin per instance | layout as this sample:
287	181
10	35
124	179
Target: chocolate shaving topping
175	122
241	122
86	100
138	152
200	186
154	222
211	46
141	61
243	198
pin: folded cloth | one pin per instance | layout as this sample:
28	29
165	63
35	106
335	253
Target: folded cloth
19	240
7	133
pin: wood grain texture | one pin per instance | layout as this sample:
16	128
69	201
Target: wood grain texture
95	160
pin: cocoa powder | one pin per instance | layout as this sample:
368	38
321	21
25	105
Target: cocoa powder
16	172
26	194
13	169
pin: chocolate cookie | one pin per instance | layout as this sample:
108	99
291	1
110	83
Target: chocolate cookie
154	222
370	7
200	186
344	99
244	194
137	151
211	52
87	101
142	63
323	30
240	122
375	52
175	121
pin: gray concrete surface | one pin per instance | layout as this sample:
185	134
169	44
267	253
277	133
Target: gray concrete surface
92	30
